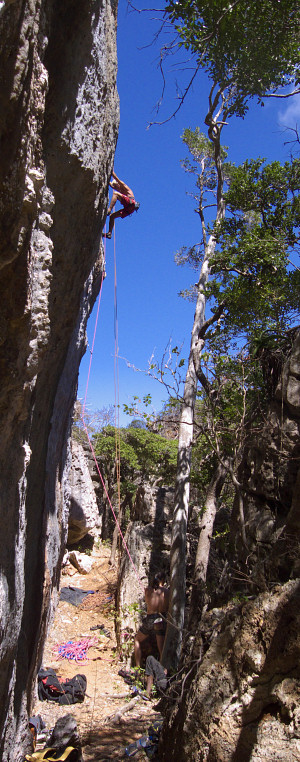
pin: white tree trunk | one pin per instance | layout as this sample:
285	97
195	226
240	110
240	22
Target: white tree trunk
172	644
203	548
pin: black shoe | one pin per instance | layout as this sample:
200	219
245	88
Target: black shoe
106	235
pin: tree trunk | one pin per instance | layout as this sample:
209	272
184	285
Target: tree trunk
203	549
172	644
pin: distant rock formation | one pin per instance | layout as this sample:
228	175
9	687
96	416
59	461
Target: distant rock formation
84	513
59	116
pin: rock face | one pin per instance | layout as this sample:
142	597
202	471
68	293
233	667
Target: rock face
239	698
84	513
149	541
58	131
269	474
240	701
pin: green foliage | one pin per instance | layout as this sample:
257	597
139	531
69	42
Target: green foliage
127	636
203	167
256	243
246	47
140	451
251	268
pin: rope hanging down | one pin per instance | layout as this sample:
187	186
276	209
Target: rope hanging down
89	440
116	384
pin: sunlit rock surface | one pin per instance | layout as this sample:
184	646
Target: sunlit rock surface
58	129
84	512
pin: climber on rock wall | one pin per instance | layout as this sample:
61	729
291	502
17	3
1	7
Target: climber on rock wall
125	195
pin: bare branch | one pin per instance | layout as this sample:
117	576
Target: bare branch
282	95
182	99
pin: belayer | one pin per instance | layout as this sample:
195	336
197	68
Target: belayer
125	195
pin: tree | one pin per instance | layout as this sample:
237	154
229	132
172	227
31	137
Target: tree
209	156
234	83
143	455
248	48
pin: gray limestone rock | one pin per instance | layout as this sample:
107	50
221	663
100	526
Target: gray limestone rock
83	514
240	701
59	117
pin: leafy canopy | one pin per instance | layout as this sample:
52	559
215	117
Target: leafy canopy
247	48
251	270
140	451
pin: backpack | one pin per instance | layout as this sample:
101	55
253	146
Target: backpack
50	688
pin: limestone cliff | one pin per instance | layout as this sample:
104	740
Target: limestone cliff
58	131
237	698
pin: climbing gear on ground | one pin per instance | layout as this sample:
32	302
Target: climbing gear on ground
75	649
154	729
70	754
37	728
135	690
50	688
127	676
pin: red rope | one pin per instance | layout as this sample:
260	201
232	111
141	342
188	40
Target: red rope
112	510
90	443
95	329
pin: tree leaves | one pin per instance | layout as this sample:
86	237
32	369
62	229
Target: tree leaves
248	48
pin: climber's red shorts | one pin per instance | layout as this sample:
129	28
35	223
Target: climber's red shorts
129	205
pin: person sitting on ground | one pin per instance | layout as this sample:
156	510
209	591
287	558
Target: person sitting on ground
125	195
156	673
157	600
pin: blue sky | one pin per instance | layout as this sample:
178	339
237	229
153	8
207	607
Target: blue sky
150	312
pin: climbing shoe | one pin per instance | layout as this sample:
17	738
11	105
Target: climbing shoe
106	235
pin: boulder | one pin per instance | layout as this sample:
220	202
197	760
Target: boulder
82	562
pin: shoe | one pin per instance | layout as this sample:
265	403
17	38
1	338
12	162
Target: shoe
138	692
103	629
106	235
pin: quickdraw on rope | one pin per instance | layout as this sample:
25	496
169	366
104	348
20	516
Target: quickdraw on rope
89	440
75	649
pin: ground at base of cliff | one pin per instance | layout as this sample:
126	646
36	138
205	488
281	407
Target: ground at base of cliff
103	737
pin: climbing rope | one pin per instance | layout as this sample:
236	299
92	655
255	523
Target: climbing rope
111	507
117	418
74	649
95	330
116	383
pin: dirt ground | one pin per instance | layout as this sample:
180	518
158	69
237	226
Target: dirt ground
102	738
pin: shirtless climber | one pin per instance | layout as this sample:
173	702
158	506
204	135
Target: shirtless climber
157	600
125	195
